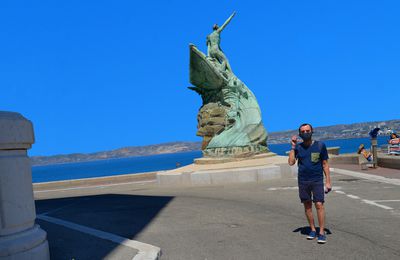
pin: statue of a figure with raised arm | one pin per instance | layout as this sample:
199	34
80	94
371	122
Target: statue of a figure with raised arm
213	45
230	118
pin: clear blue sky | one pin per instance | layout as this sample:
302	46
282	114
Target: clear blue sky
99	75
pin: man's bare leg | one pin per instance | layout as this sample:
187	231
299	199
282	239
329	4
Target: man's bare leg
309	214
321	216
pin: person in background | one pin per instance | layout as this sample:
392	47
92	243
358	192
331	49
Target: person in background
312	159
367	155
394	138
394	144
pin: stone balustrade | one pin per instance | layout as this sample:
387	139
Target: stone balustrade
20	237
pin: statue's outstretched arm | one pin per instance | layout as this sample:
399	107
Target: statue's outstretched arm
226	22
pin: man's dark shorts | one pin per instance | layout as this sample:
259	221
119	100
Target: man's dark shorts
311	191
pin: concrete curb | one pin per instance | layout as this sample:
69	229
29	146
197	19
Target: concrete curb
366	176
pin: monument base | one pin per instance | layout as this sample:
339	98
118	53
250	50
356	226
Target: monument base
236	151
214	160
30	244
242	171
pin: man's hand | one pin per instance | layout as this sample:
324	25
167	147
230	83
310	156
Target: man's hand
328	187
293	141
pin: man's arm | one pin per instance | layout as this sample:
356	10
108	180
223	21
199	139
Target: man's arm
327	172
292	156
226	22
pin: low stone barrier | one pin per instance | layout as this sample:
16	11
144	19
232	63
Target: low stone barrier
384	160
389	161
108	180
352	158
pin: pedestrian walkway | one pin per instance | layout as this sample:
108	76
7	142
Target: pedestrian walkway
379	171
241	221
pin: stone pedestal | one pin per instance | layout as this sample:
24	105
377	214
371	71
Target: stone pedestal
216	160
20	238
258	169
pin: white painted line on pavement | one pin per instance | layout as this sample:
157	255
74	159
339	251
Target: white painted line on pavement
370	202
284	188
366	176
95	187
146	251
353	196
386	200
296	188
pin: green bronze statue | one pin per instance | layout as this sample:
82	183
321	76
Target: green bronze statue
213	45
230	118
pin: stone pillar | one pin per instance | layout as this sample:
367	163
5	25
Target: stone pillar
20	237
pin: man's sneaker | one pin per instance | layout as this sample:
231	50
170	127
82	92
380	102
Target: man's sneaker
321	239
312	235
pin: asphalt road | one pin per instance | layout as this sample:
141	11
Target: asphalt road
244	221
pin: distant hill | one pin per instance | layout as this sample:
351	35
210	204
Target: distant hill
173	147
356	130
321	133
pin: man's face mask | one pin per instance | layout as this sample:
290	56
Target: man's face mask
306	136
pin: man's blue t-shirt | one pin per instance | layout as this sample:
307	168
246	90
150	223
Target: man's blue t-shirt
310	161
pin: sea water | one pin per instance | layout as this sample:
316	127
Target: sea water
140	164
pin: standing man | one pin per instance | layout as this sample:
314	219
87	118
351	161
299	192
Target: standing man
312	159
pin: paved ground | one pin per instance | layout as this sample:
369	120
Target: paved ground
246	221
385	172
